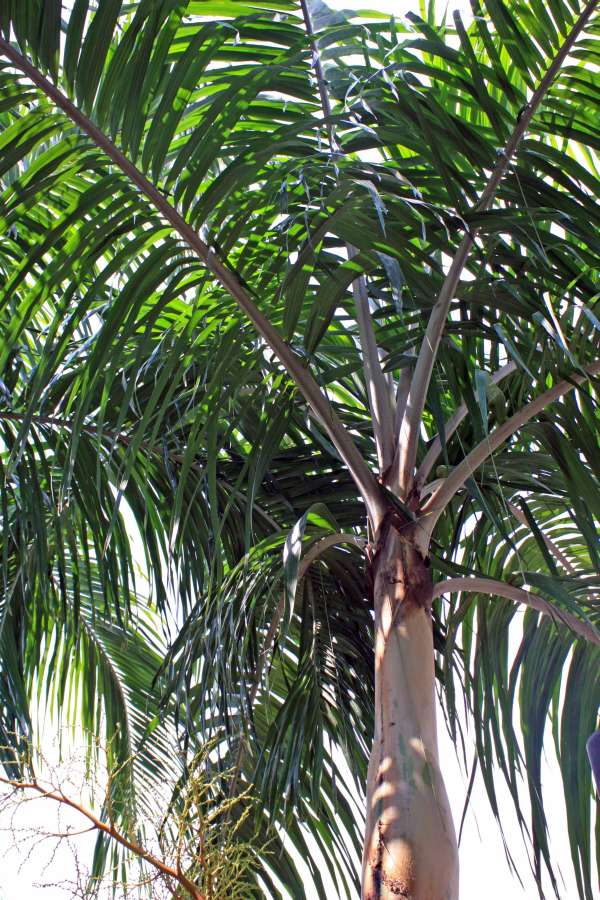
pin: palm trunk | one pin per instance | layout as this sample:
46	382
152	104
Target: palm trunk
410	846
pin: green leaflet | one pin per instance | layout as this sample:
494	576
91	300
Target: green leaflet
157	461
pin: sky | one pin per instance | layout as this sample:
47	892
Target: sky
26	868
34	871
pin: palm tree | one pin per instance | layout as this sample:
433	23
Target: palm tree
300	317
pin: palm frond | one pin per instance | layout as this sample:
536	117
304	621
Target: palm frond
148	430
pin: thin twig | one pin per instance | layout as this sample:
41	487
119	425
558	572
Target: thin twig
110	831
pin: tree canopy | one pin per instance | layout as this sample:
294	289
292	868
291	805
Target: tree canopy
195	253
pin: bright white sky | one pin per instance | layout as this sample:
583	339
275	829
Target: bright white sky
484	869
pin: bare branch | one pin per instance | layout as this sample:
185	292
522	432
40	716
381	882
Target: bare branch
496	588
452	424
304	381
109	830
455	480
411	423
